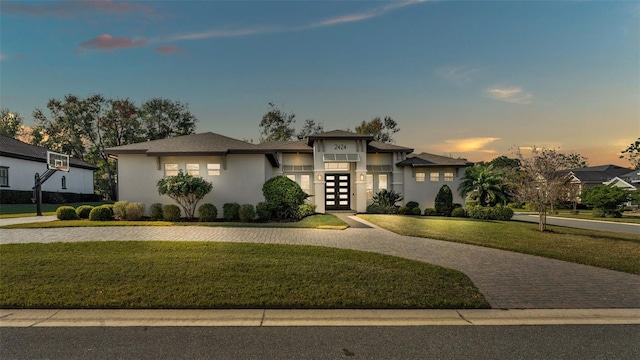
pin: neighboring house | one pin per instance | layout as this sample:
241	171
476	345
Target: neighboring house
341	170
629	181
19	162
591	176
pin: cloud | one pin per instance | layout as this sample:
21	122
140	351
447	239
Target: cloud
167	49
70	8
107	42
466	145
457	74
514	95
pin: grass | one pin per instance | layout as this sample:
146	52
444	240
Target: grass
586	215
325	221
615	251
154	275
24	210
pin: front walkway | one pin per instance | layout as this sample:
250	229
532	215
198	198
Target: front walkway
508	280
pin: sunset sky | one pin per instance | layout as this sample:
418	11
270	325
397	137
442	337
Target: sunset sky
464	78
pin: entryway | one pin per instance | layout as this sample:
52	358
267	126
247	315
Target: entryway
337	191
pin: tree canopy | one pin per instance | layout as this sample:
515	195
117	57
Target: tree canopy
632	153
277	125
381	129
484	183
186	190
10	123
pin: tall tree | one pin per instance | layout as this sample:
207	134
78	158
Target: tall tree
484	183
382	130
277	125
544	180
632	153
10	123
163	118
310	128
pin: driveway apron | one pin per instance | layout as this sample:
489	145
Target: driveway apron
507	279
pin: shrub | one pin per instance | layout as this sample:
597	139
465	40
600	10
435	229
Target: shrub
230	211
155	211
531	207
305	210
402	210
171	213
246	213
444	201
489	213
283	197
478	212
598	213
501	213
514	205
83	211
66	213
186	190
459	212
412	205
134	211
101	213
430	212
614	214
386	198
380	209
207	212
108	206
470	203
262	211
608	198
120	210
416	211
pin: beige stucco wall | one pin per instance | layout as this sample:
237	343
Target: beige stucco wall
425	192
21	177
241	181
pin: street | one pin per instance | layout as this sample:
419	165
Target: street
441	342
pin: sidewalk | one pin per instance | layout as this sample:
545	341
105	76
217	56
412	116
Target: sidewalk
271	318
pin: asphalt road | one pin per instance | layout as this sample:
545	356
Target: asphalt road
441	342
583	224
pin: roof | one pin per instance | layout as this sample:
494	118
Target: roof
599	174
195	144
431	160
380	147
288	146
17	149
338	134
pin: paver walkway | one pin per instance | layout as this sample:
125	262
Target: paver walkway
507	280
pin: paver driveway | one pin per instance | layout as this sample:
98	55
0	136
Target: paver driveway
507	280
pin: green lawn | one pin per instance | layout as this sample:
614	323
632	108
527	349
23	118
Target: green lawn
153	275
608	250
325	221
22	210
586	215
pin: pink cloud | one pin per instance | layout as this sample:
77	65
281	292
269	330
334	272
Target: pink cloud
167	49
72	7
107	42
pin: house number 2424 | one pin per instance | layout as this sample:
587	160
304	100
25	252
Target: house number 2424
340	147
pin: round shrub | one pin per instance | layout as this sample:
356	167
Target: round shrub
207	212
501	213
381	209
262	211
459	212
231	211
283	196
66	213
134	211
430	212
412	205
83	211
416	211
246	213
155	211
598	213
108	206
120	210
100	213
305	210
402	210
444	201
171	213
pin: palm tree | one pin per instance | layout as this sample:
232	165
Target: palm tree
484	183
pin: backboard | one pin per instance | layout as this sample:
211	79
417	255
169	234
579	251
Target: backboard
57	161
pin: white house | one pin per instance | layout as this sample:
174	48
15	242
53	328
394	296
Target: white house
341	170
19	162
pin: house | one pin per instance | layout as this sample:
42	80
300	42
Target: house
19	162
341	170
591	176
629	181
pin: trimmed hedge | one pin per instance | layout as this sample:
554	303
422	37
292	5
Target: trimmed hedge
120	210
134	211
207	212
155	211
171	213
305	210
101	213
380	209
489	213
263	212
66	213
246	213
83	211
459	212
48	197
430	212
231	211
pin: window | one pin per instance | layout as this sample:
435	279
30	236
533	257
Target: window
170	169
420	177
369	186
305	183
434	177
64	182
382	182
4	176
213	169
193	169
448	176
292	177
336	166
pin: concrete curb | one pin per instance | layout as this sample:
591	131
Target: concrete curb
265	317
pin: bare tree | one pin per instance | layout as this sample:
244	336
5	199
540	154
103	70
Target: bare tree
543	180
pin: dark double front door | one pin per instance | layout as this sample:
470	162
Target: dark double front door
336	192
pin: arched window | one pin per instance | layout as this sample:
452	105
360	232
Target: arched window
64	182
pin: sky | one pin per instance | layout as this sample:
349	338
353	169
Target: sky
472	79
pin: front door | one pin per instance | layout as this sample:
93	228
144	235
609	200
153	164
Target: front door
337	192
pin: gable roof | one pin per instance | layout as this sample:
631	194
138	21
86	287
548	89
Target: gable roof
194	144
599	174
17	149
338	134
431	160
